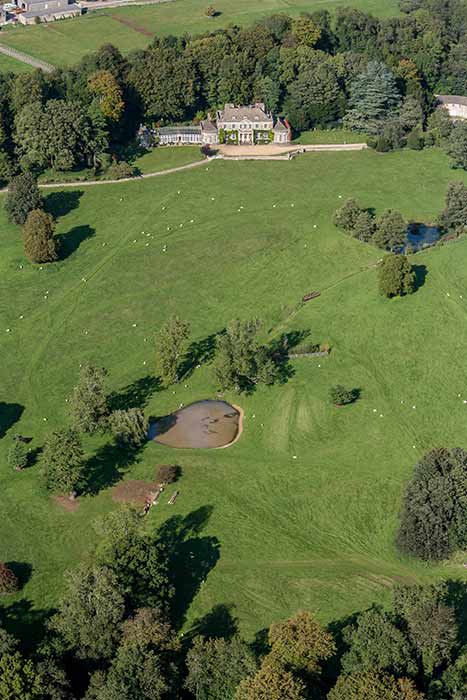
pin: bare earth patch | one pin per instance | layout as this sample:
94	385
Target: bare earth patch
134	491
65	503
132	25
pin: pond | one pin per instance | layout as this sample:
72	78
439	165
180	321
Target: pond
421	236
203	424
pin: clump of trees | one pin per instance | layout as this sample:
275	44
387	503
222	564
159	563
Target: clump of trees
396	276
241	361
388	232
434	512
453	218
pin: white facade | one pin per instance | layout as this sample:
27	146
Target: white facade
456	105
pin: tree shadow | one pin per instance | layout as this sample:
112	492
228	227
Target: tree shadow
25	622
71	241
158	425
10	413
421	273
198	353
219	622
33	456
107	466
136	394
61	203
191	557
22	570
456	597
280	349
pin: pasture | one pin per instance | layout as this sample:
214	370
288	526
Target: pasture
65	42
302	511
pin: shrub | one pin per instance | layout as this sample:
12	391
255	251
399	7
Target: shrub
130	426
8	581
88	406
382	144
40	245
18	455
210	11
120	171
340	396
391	230
23	196
434	512
346	216
415	140
62	461
395	276
168	473
453	218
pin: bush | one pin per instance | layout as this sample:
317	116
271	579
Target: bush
382	145
130	426
18	455
8	581
120	171
415	140
395	276
340	396
168	473
434	512
210	11
40	245
23	196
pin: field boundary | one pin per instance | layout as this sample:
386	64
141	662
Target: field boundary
26	58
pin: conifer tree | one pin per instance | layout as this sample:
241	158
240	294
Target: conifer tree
39	243
23	196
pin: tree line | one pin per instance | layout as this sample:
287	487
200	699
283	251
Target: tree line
374	75
116	635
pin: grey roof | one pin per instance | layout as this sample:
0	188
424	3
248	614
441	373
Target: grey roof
207	125
178	130
280	126
52	12
452	99
253	113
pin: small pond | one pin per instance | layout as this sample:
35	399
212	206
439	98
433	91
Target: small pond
420	236
206	423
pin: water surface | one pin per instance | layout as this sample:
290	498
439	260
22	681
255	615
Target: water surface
207	423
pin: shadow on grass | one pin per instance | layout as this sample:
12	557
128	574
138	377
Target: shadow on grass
25	622
191	557
10	413
219	622
22	570
71	241
198	353
421	273
61	203
107	466
135	395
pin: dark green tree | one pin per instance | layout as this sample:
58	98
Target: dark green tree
90	614
364	227
216	667
456	146
391	230
347	215
395	276
374	97
434	512
40	245
23	197
171	341
453	218
62	461
129	426
88	404
376	643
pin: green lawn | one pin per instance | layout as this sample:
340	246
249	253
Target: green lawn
313	532
65	42
12	65
317	136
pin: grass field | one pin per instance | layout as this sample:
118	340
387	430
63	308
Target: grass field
320	136
12	65
313	532
65	42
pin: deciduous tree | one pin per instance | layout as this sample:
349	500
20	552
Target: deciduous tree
391	230
89	407
62	461
40	245
8	580
453	218
395	276
129	426
23	196
171	342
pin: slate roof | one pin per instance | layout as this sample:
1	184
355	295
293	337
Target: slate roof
207	125
452	99
256	112
280	126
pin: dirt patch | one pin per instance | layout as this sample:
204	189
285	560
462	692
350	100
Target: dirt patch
132	25
133	491
65	503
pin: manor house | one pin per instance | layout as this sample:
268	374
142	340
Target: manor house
455	104
252	124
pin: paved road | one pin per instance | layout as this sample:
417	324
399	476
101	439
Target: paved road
102	4
26	58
